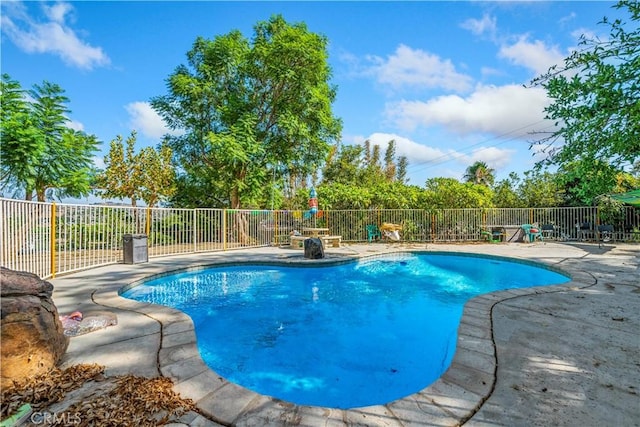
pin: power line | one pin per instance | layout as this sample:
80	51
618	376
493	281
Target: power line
448	157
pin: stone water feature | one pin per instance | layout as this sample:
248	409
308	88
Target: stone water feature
313	248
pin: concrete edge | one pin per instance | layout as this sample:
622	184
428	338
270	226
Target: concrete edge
454	398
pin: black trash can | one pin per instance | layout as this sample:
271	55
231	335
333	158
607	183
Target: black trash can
134	248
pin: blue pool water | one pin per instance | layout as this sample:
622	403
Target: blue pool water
344	336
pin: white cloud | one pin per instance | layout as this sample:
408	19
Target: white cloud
415	68
98	162
422	158
479	27
536	55
144	119
413	151
58	11
587	34
566	19
495	158
53	36
509	110
75	125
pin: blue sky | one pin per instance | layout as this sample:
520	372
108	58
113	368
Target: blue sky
445	80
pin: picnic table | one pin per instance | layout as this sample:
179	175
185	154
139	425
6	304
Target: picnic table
321	233
314	232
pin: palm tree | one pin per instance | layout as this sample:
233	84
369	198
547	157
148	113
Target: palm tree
479	173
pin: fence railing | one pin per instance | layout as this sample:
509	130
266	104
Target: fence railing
50	238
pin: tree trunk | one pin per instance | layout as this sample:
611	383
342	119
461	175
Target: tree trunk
235	198
241	224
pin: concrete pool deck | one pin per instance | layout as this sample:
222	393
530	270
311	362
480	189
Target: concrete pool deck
566	355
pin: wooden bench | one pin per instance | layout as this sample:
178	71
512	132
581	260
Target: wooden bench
334	240
297	242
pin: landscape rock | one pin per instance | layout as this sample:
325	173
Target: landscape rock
33	340
313	248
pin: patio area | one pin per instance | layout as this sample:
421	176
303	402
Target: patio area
556	355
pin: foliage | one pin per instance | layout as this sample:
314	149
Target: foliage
339	196
384	195
582	183
147	175
362	164
540	190
158	175
595	102
39	152
611	211
505	193
626	182
346	165
21	145
480	173
120	179
449	193
249	108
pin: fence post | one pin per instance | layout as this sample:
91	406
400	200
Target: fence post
224	229
53	240
433	227
147	225
194	228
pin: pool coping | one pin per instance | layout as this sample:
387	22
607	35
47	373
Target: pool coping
451	400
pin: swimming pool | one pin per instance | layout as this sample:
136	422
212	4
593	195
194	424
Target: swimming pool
355	334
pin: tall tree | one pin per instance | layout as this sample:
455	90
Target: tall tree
158	174
449	193
540	190
121	179
479	173
389	161
595	99
40	152
249	106
147	175
345	166
505	193
350	164
21	145
582	181
401	172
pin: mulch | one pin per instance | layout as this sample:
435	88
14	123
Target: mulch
81	395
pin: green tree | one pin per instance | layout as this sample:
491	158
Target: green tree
147	175
449	193
594	99
480	173
361	164
374	172
249	107
158	174
540	190
121	178
345	166
401	171
582	181
505	193
39	152
21	145
390	167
